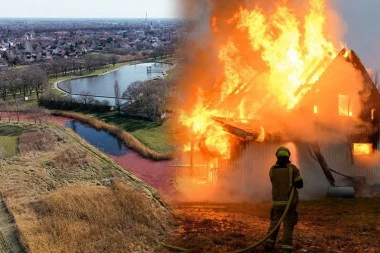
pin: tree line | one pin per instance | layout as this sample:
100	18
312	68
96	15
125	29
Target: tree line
143	99
78	66
23	81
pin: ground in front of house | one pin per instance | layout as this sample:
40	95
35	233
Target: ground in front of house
327	225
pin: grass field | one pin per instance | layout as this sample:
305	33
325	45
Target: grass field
9	139
126	136
154	135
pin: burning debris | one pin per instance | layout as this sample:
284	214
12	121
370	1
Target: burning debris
271	74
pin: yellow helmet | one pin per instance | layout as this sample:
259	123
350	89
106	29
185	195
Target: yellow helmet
283	151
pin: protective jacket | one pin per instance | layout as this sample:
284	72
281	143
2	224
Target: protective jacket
283	177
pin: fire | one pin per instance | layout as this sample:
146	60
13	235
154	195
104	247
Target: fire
362	148
265	57
204	127
293	58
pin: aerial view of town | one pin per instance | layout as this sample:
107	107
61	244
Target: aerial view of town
42	40
189	126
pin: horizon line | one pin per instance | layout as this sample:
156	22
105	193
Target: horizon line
90	18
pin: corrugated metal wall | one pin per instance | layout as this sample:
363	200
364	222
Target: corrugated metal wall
249	167
251	170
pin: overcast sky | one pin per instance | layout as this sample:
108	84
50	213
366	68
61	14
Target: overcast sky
361	16
89	8
362	29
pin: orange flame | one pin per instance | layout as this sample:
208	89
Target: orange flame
266	58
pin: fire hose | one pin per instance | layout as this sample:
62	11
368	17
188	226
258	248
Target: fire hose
179	249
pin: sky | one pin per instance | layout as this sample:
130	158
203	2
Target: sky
362	32
362	29
90	8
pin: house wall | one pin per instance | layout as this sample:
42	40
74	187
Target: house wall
251	170
249	167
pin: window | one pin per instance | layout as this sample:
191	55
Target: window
315	109
373	111
344	105
362	148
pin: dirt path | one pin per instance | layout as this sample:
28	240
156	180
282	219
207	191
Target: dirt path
9	238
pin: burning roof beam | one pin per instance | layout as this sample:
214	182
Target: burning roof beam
310	79
245	134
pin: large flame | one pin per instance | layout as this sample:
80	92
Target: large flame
267	57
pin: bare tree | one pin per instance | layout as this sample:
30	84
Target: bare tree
27	80
18	105
147	98
39	79
38	114
14	80
54	67
3	106
4	85
116	89
69	88
86	98
114	58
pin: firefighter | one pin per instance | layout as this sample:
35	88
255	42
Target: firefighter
283	176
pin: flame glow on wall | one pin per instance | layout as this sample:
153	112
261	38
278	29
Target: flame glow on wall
263	56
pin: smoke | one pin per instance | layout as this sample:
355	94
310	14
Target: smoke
238	56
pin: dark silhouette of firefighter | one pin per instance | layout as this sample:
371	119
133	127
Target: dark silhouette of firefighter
283	176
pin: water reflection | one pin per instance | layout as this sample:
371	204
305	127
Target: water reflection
102	140
102	86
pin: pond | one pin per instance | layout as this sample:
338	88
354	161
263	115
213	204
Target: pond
102	87
101	139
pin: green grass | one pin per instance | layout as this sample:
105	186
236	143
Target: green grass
152	134
32	99
9	139
10	130
129	139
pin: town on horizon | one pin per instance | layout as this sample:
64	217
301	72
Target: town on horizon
28	40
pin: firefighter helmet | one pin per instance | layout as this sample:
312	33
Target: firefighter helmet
283	151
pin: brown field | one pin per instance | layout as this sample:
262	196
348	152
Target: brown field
66	196
328	225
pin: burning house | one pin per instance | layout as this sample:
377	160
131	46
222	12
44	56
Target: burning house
280	82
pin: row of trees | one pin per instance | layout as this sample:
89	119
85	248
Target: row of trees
23	81
89	63
87	103
14	111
